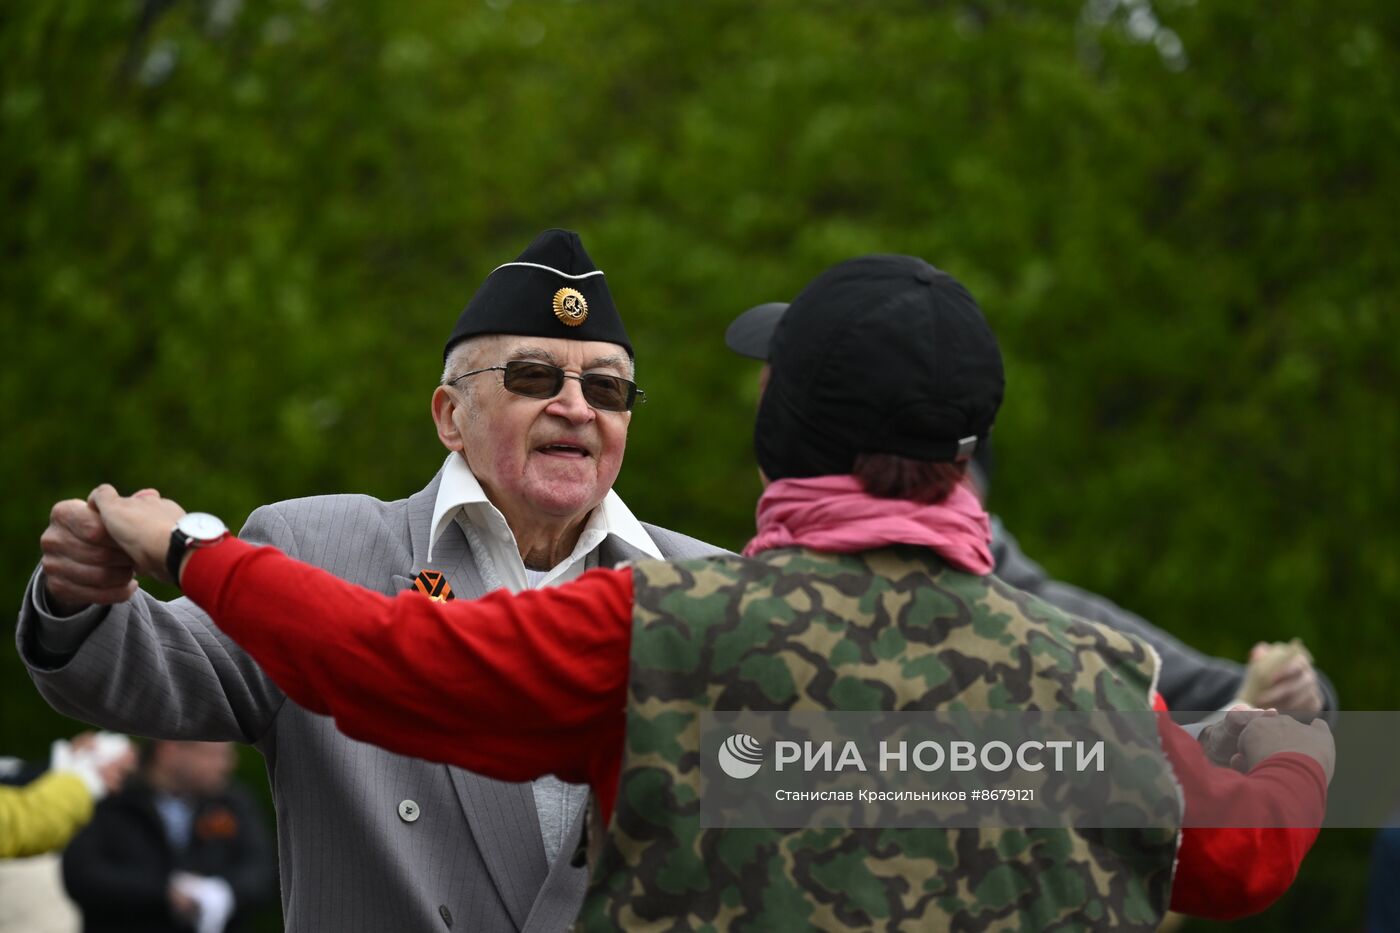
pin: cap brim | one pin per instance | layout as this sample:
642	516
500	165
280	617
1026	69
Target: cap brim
750	333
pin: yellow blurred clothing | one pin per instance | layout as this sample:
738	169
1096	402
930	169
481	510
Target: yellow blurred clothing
32	899
44	814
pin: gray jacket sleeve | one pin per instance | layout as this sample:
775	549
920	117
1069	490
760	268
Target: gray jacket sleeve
149	667
1189	679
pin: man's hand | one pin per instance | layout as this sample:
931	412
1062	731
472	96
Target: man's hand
140	525
1294	687
102	760
1269	735
182	906
82	564
1221	740
115	772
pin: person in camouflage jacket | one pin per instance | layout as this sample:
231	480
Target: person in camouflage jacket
1188	679
867	588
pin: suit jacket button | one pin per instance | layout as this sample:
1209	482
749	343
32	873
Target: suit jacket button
446	915
408	811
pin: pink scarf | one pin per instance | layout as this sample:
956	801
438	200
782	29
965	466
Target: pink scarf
834	514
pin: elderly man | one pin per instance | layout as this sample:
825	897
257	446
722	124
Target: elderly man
869	588
534	407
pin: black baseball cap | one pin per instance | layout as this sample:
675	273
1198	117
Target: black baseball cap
750	333
552	289
879	354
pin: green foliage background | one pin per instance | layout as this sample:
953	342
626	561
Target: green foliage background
235	236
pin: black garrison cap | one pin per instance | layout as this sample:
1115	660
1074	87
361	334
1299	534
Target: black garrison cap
552	289
880	354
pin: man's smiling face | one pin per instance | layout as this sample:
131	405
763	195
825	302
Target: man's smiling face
538	458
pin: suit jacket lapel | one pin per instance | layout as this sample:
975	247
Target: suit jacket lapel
452	556
507	830
614	551
418	515
501	815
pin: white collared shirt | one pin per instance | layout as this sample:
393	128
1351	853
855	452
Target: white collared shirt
460	498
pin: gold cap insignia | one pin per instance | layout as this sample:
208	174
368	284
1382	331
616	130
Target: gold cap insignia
570	307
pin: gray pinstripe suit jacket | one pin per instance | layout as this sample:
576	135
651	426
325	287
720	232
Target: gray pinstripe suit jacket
348	860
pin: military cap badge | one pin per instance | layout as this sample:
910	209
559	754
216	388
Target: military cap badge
570	307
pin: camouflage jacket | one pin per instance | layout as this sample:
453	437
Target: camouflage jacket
891	629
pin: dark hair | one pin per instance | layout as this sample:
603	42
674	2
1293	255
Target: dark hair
890	476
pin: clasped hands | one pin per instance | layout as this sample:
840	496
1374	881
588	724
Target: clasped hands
94	548
1246	736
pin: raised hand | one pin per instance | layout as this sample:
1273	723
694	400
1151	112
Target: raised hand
1221	740
82	563
1293	686
140	525
1269	735
1281	675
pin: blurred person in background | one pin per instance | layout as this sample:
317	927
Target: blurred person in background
533	405
180	848
42	806
1190	680
868	587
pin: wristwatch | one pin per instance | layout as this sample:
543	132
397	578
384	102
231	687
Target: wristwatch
195	529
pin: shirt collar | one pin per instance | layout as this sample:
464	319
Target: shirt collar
459	488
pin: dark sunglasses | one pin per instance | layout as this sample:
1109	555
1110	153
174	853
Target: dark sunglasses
541	380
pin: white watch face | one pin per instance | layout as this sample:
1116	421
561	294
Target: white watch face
201	526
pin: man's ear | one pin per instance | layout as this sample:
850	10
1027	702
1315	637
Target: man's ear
445	404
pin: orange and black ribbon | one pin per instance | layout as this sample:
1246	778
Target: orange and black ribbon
216	823
433	584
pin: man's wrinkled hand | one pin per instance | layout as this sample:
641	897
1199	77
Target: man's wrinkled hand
82	564
1221	740
1294	687
140	525
1270	735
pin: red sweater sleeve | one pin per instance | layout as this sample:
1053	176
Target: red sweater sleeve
1226	869
510	686
515	687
